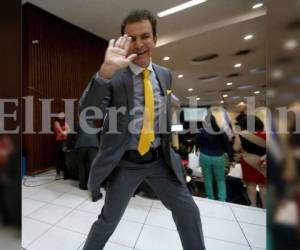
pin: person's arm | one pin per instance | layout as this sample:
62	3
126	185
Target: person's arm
99	88
67	128
94	93
237	143
263	161
58	129
227	146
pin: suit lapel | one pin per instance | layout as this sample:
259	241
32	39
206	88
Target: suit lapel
163	82
161	79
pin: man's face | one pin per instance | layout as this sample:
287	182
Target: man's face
143	41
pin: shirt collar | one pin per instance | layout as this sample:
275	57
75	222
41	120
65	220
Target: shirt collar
136	69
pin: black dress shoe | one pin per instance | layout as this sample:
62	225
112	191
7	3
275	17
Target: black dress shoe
96	197
67	175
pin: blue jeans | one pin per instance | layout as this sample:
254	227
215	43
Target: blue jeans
213	166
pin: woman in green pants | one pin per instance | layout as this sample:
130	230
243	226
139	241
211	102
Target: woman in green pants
213	143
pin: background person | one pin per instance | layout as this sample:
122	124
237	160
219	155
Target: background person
213	143
61	130
252	148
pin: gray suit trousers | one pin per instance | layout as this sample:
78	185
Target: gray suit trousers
174	195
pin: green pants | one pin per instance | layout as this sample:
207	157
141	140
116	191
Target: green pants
213	167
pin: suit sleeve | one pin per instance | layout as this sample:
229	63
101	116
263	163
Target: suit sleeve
95	92
171	79
227	146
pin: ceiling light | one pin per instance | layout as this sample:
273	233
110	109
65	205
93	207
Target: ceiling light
229	83
271	93
256	92
180	7
238	65
166	58
222	101
225	95
248	37
258	5
277	74
190	89
291	44
198	98
180	76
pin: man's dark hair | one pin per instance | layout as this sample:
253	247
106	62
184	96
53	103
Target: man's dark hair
137	16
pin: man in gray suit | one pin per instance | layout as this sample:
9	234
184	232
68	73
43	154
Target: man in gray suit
139	147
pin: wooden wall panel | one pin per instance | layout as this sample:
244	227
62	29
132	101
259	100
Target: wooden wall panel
58	66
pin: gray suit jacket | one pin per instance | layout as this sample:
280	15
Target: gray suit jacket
112	146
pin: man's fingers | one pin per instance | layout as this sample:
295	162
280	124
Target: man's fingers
123	41
119	42
111	43
131	57
127	43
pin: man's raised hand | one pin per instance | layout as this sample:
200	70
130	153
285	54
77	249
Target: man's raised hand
116	56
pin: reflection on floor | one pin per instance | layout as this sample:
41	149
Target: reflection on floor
57	216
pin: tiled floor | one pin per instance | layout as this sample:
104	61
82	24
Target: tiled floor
57	216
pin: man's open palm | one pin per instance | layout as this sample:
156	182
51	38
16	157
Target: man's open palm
116	53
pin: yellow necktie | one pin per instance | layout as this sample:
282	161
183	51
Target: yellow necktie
147	132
